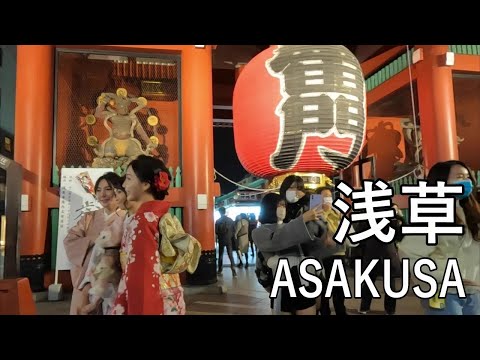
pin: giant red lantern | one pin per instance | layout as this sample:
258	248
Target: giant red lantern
299	108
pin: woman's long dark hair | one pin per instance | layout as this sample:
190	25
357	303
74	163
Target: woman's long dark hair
268	209
119	185
288	181
293	209
440	172
111	178
146	168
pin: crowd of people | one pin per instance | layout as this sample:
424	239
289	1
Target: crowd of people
289	228
117	266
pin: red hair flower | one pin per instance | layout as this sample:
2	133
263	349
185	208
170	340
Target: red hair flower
162	182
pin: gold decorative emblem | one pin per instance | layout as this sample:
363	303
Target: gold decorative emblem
92	140
101	99
90	119
142	101
122	92
154	140
152	120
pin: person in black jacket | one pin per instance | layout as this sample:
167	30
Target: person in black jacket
252	225
376	249
225	231
397	224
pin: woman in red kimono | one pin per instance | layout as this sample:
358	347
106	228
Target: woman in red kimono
143	290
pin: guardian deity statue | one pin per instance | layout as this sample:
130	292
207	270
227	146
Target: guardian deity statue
121	146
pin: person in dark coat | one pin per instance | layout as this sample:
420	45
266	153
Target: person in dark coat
376	249
225	231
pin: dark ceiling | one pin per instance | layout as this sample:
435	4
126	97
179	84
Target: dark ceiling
227	56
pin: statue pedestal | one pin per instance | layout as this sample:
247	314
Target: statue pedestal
114	163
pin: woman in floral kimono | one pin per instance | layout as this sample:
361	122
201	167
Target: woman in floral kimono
143	289
81	238
100	284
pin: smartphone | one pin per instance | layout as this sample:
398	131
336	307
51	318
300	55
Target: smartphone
315	200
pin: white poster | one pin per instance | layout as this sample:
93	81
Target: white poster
76	198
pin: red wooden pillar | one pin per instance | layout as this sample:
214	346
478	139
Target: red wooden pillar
33	150
197	145
436	105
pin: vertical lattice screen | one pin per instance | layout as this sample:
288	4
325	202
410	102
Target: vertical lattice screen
83	77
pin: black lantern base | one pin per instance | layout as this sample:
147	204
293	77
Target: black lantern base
33	267
206	273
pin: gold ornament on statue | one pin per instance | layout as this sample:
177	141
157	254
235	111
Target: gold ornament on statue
92	141
122	92
90	119
154	140
152	120
142	101
101	99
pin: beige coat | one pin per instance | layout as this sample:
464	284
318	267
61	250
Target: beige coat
241	233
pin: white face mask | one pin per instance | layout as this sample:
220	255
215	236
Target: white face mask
291	196
328	200
281	213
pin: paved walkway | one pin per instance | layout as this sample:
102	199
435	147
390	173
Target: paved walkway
245	296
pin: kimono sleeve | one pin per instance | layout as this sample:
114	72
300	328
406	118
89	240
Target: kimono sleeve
116	230
77	243
143	272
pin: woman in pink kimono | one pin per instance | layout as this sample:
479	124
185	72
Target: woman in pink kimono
143	289
81	238
100	283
